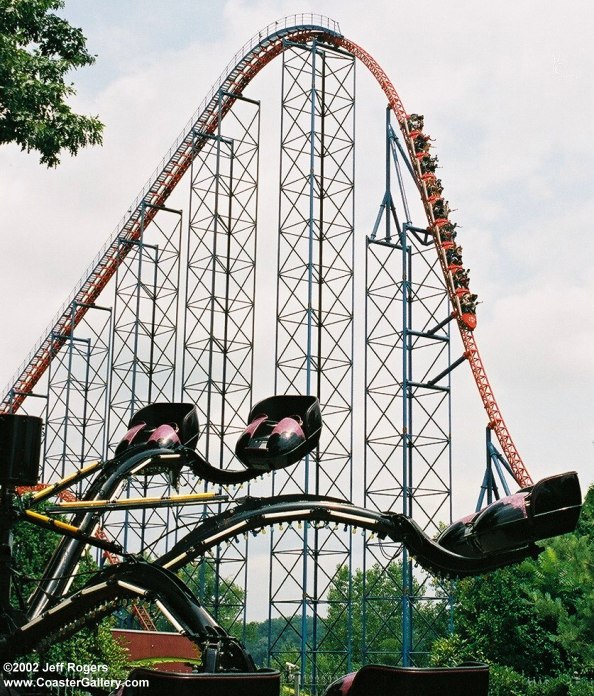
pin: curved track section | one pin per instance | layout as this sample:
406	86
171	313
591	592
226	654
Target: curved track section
471	351
59	572
245	66
256	513
139	580
109	588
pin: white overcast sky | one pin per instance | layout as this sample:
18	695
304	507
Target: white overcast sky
507	92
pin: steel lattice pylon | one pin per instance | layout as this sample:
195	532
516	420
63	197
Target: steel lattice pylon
77	397
183	325
407	417
220	297
314	339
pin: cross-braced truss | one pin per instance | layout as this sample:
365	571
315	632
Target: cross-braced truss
218	360
407	420
314	338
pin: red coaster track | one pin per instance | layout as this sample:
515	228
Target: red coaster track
247	63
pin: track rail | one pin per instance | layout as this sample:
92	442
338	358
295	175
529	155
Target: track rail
256	513
136	579
108	589
249	61
471	351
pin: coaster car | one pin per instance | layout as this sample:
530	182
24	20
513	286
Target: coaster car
162	425
261	683
549	508
281	431
469	679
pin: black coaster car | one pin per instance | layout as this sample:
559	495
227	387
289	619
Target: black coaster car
281	431
261	683
162	425
548	508
469	679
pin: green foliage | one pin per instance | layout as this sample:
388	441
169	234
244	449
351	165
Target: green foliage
92	646
496	616
37	50
372	630
582	688
562	593
223	598
154	661
452	650
284	639
504	681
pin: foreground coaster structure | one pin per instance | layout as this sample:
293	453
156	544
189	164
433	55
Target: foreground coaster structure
209	302
161	439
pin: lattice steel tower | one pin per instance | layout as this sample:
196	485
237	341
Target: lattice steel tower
314	339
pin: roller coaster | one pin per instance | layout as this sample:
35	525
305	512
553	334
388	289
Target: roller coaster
231	85
154	342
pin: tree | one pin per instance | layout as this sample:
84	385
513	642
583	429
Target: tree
222	597
37	50
496	616
562	589
373	630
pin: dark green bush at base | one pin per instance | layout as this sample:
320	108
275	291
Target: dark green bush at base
504	681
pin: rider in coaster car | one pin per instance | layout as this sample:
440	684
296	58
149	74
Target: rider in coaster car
427	163
468	303
434	187
415	122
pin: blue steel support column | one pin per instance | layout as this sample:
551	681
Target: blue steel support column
489	485
218	355
308	358
407	422
314	345
407	591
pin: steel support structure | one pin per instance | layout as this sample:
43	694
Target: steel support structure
105	368
144	352
77	397
145	318
314	345
496	466
220	282
407	419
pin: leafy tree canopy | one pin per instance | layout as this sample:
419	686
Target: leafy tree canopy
37	50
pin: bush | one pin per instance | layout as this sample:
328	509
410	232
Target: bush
559	686
452	651
504	681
